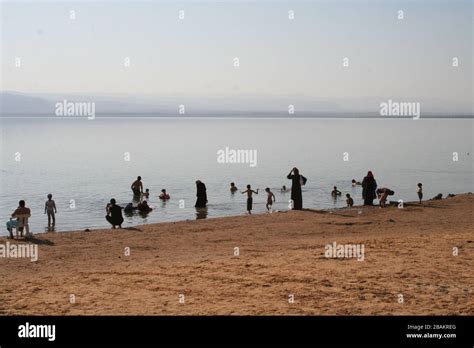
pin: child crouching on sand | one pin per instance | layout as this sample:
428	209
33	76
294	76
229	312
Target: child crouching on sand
249	192
269	198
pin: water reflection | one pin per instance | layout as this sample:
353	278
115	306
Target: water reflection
201	213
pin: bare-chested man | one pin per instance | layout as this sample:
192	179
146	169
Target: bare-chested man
137	186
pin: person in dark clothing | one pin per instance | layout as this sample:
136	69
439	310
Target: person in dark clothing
114	214
369	185
296	195
201	194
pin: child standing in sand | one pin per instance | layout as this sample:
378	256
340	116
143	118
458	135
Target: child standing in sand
420	191
269	198
249	193
50	209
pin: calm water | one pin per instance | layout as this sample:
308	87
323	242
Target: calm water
83	160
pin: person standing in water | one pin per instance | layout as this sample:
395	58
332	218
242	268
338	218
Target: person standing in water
50	209
249	193
349	200
201	194
419	191
296	195
270	201
369	185
137	186
335	192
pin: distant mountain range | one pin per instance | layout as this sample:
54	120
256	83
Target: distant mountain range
36	104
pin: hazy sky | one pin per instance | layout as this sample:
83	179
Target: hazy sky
194	56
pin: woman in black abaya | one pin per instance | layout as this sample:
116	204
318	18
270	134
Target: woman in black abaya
201	194
369	185
296	195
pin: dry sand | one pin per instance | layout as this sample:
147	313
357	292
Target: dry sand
408	251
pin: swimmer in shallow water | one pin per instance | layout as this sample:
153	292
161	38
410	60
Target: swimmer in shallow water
163	195
335	192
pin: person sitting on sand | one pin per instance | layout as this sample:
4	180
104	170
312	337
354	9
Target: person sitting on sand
349	200
419	191
163	195
355	183
137	186
382	194
50	209
114	214
249	193
335	192
270	195
21	210
146	194
233	188
143	207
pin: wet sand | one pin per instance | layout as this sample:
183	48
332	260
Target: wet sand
407	252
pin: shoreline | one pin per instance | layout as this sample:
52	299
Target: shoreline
390	204
407	252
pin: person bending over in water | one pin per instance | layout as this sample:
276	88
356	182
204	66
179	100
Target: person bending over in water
419	191
249	193
163	195
270	195
50	209
137	186
355	183
349	200
382	194
233	188
114	214
335	192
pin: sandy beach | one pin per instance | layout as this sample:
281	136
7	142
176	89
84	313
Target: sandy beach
407	252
